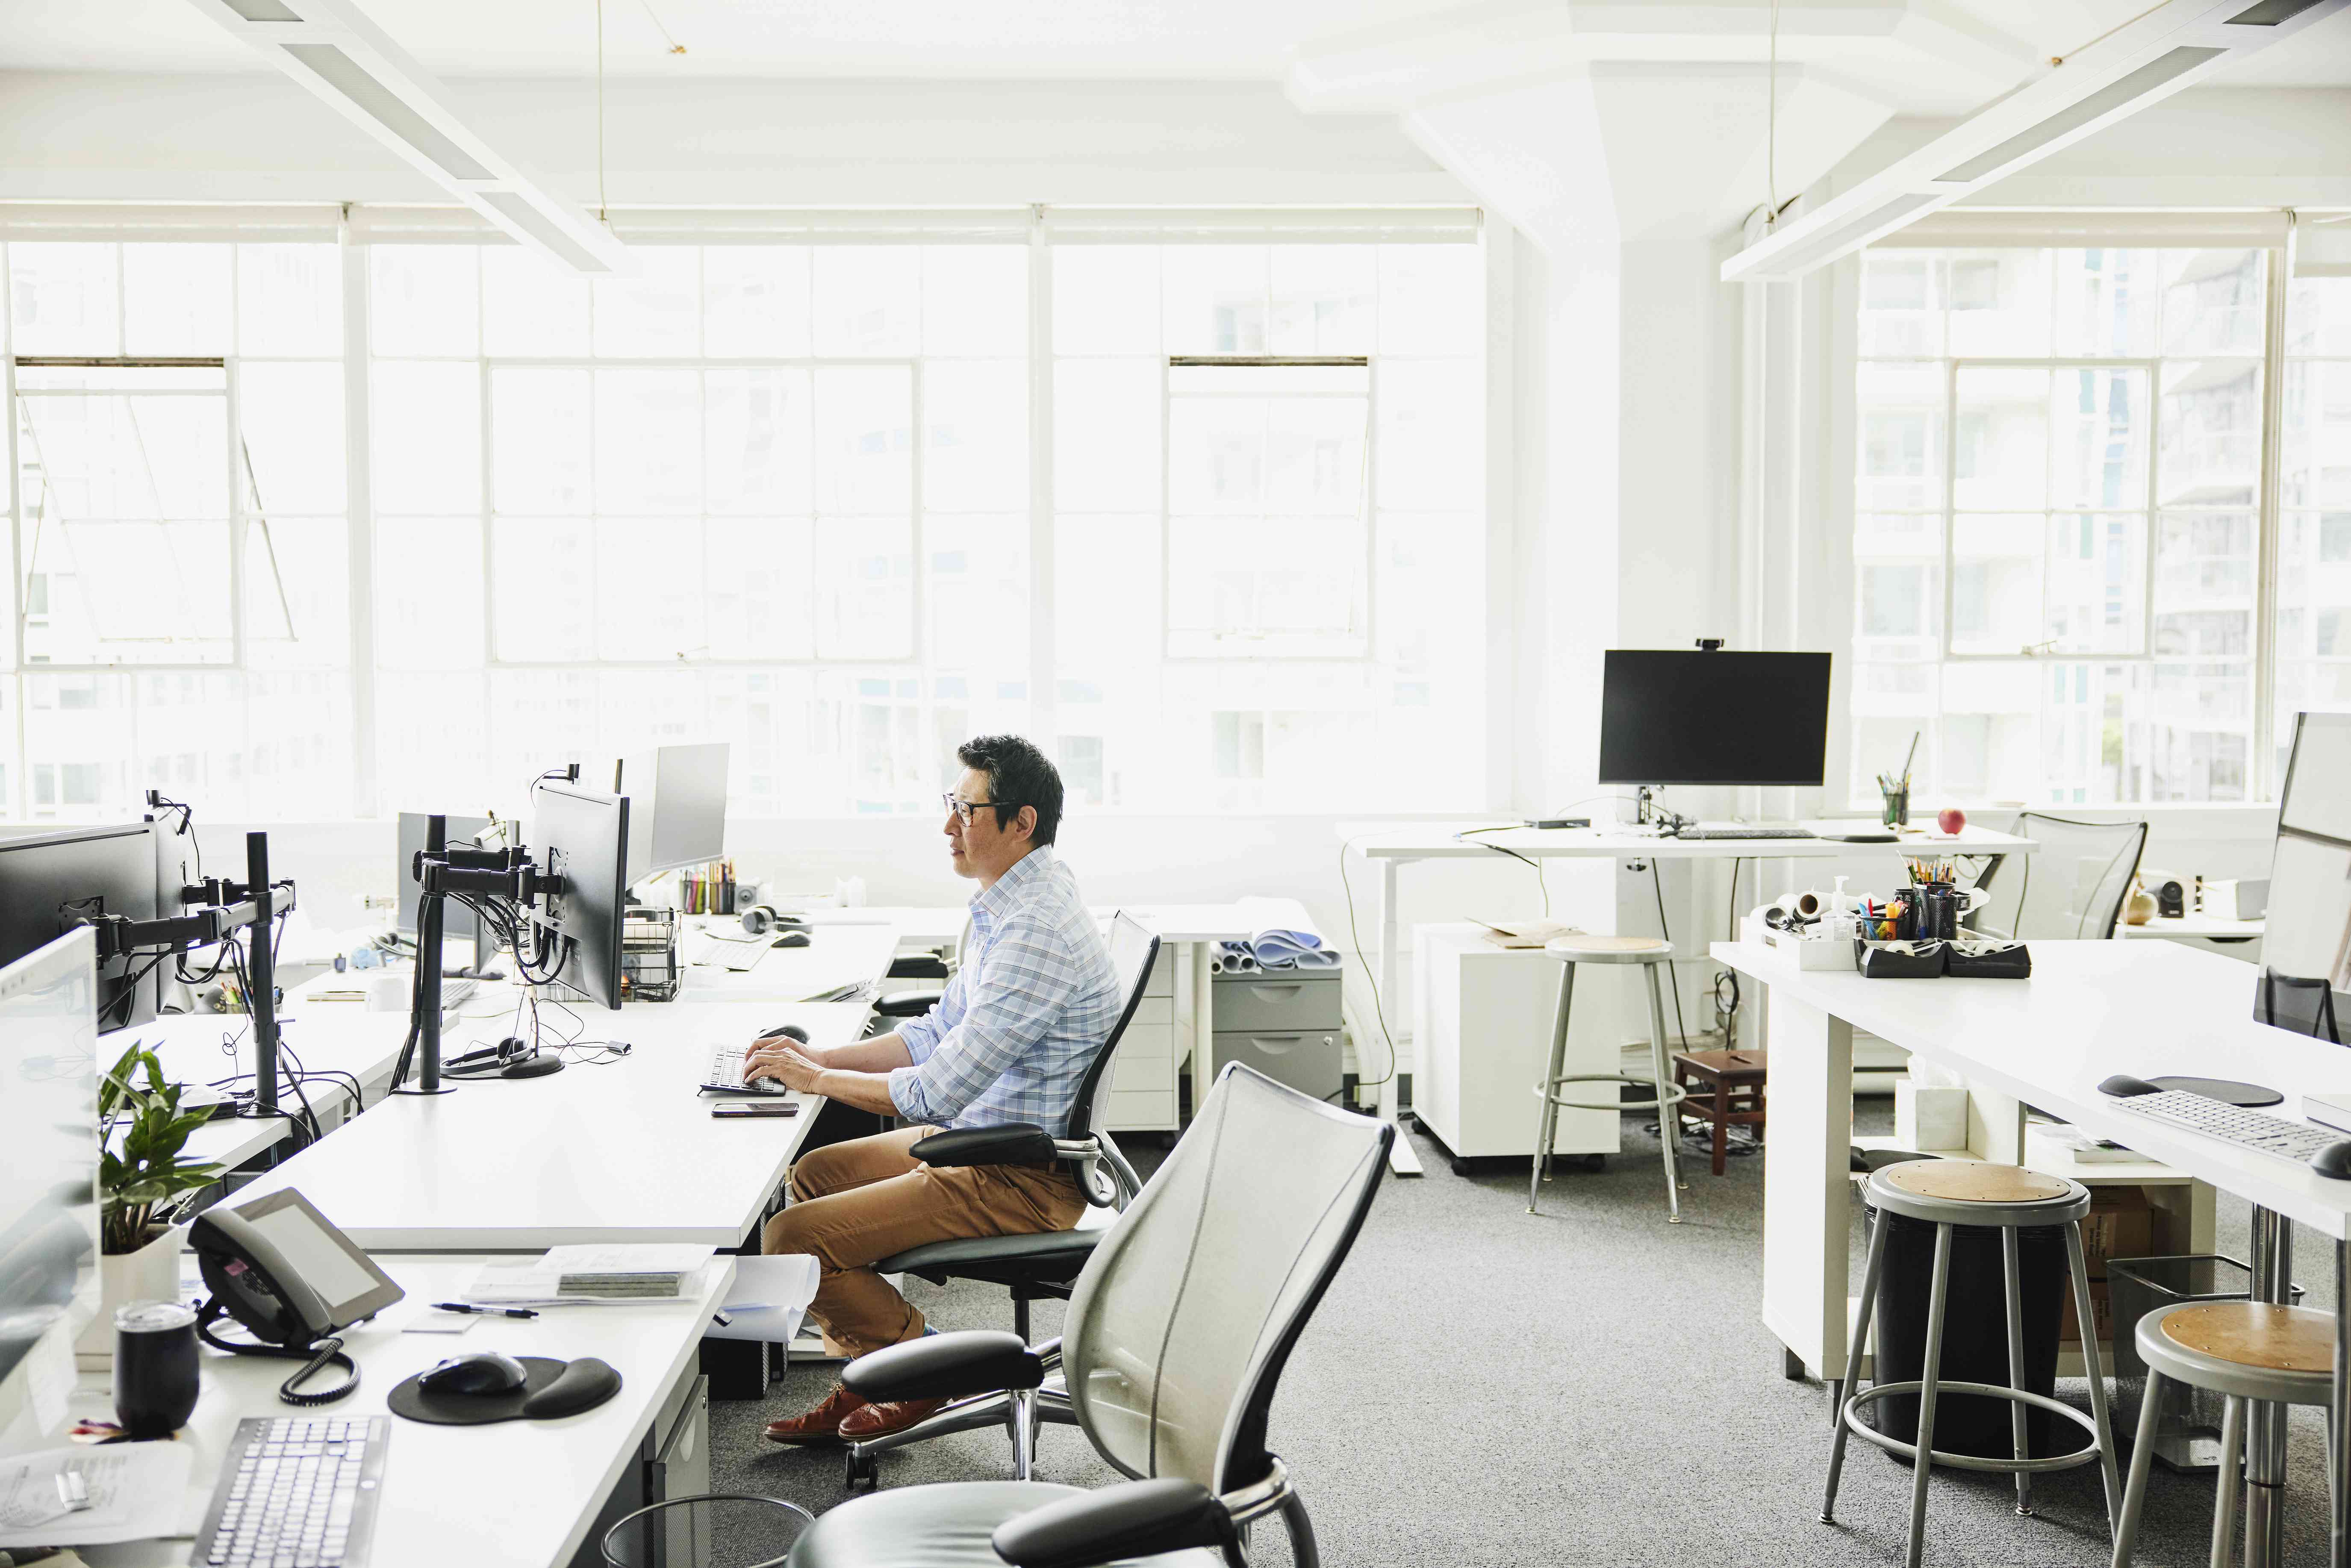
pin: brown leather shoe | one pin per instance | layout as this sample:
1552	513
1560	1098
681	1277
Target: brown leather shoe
862	1425
821	1425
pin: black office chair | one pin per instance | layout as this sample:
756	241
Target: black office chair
1178	1331
2071	887
938	965
1035	1267
2318	1015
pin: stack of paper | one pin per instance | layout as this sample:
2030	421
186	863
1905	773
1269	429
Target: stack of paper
571	1275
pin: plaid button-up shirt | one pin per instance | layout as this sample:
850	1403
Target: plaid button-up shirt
1025	1015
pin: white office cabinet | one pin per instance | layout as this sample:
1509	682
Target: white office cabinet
1481	1036
1142	1079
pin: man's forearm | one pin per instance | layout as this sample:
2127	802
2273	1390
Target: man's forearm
866	1091
877	1055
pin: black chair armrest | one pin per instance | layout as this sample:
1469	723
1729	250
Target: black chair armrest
907	1004
1014	1143
946	1367
1140	1519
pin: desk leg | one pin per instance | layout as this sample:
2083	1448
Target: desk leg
2273	1246
2338	1454
1402	1158
1807	1185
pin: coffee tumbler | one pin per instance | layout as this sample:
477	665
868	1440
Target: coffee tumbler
155	1378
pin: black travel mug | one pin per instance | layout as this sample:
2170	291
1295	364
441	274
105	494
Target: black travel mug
155	1377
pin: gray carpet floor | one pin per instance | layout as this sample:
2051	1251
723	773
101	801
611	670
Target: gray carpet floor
1590	1385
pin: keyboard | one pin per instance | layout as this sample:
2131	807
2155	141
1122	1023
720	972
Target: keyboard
726	1073
2254	1130
296	1492
1743	831
738	954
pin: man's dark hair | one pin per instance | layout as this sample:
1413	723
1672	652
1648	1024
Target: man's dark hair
1018	775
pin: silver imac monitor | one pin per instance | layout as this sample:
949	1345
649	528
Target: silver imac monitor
678	806
2305	972
48	1179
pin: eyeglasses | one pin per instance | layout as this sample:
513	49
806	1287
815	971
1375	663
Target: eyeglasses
964	809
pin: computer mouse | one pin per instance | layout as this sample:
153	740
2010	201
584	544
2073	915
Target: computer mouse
2334	1161
2122	1085
477	1372
791	939
790	1031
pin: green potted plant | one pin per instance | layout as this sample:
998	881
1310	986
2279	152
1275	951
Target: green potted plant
142	1181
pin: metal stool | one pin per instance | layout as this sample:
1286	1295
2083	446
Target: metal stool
1651	953
1944	1193
2244	1351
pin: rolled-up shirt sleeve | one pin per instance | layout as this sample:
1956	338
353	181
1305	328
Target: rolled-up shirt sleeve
921	1035
1025	982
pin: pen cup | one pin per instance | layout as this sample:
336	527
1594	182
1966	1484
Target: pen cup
1896	814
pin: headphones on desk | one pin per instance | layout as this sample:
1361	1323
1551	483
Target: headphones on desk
762	919
510	1058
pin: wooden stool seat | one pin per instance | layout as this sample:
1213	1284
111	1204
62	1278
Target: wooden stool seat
1592	947
1737	1080
2256	1334
1974	1181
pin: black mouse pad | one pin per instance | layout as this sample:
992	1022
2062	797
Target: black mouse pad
2226	1090
412	1401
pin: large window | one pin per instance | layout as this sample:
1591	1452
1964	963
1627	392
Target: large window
2061	561
781	495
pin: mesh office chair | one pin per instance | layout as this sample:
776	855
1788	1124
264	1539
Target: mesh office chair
2071	887
1178	1335
1033	1267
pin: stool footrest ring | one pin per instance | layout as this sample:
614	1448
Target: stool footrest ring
1973	1461
1671	1094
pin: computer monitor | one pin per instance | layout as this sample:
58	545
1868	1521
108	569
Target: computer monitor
678	799
1670	717
2306	940
458	922
116	869
48	1172
583	836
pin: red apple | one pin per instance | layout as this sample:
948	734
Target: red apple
1951	819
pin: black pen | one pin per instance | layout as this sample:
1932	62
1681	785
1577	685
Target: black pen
484	1311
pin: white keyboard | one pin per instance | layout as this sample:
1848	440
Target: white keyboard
296	1492
2254	1130
726	1073
738	954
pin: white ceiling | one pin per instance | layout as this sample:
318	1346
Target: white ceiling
1154	39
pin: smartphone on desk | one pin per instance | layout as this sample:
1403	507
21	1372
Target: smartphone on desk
756	1108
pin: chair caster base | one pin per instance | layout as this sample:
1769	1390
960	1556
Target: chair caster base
862	1475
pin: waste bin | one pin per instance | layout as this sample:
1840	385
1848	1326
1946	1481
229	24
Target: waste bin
1975	1336
2187	1430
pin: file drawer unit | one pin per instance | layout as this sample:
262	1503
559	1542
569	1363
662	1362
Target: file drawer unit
1481	1030
1284	1024
1143	1080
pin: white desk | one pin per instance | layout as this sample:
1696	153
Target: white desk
2197	928
622	1152
2090	1010
520	1494
1392	847
836	955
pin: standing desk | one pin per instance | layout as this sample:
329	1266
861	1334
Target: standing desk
1392	847
2090	1010
514	1494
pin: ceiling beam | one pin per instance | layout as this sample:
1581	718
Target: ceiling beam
2155	55
350	64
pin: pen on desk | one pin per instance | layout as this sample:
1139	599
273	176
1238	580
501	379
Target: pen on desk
483	1311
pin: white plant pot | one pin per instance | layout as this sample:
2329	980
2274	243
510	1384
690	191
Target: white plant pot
150	1274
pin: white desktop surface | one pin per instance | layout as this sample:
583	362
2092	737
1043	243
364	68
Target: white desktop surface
2092	1009
1438	840
2195	928
836	955
622	1152
931	924
518	1493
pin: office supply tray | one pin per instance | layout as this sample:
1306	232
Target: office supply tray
1888	961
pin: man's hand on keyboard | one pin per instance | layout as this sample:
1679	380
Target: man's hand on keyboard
780	1058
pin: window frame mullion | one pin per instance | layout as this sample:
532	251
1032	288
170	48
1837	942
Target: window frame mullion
2268	514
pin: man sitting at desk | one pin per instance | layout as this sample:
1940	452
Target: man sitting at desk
1009	1040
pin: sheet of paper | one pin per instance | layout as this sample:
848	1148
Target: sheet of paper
647	1257
134	1491
537	1282
768	1299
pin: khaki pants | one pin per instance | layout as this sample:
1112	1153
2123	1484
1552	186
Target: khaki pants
856	1202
